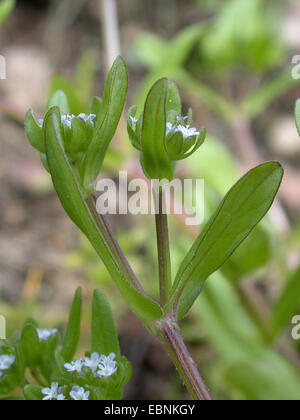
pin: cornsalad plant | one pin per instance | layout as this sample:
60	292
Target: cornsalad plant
73	149
43	365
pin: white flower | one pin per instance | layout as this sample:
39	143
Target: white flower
74	366
61	397
170	128
108	366
67	119
92	362
134	120
187	131
51	393
86	117
79	394
6	361
44	335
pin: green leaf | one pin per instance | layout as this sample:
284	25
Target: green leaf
252	255
61	83
85	74
297	115
34	132
33	393
79	140
113	100
268	378
60	100
240	211
104	335
155	158
173	100
258	101
73	331
30	346
287	305
82	212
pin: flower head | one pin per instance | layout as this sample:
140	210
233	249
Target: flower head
75	366
6	361
187	131
66	119
108	366
93	362
162	135
52	393
44	334
79	394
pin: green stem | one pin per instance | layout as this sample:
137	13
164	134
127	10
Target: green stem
163	249
118	256
182	359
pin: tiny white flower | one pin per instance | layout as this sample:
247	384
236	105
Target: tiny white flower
61	397
66	119
44	334
108	366
86	117
51	393
92	362
170	128
79	394
6	361
134	120
187	131
74	366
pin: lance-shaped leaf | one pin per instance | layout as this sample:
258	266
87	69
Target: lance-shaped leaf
59	98
155	159
113	103
73	330
81	210
173	100
30	346
34	132
104	335
297	115
240	211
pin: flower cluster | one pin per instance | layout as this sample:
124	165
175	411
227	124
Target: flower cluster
45	334
98	365
57	393
67	119
161	134
6	362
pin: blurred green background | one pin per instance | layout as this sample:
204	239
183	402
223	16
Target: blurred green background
232	61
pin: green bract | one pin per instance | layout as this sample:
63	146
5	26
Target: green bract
85	137
161	134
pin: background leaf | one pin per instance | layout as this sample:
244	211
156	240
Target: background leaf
73	331
287	305
104	335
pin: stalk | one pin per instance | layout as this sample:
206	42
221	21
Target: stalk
182	359
163	249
